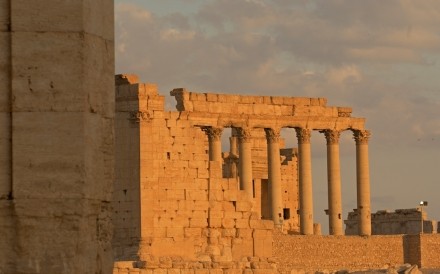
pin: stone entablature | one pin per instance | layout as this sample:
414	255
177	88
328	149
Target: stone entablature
222	110
400	221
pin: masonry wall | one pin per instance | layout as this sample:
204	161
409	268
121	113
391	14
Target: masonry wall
430	250
313	253
56	136
400	221
332	253
189	215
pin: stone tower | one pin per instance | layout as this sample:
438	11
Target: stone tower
56	135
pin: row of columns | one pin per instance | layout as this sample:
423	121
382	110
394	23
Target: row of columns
305	175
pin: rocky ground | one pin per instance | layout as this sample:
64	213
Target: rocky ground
402	269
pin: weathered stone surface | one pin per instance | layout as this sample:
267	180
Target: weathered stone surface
56	136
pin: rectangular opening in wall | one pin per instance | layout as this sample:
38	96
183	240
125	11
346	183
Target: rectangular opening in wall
265	206
253	188
286	213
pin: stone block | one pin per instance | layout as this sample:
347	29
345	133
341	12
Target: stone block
199	214
229	232
233	214
228	206
201	205
162	247
242	223
228	223
244	109
192	232
216	214
215	222
233	184
244	232
244	206
230	195
277	100
198	223
196	195
263	246
216	195
200	106
54	164
242	248
175	232
51	83
186	205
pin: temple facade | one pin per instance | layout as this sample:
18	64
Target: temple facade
179	198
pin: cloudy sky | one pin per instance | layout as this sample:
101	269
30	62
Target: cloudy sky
380	57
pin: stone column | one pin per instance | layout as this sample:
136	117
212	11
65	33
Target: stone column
363	181
215	144
233	154
245	161
233	145
305	181
334	182
274	174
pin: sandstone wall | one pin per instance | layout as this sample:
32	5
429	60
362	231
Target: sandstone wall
173	208
332	253
400	221
430	250
56	135
313	253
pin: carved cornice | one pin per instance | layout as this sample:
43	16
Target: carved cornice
272	135
331	136
140	116
303	135
214	133
361	136
244	135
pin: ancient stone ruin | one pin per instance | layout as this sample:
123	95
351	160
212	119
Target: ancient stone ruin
179	204
182	205
176	194
400	221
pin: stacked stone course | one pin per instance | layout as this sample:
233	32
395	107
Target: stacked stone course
400	221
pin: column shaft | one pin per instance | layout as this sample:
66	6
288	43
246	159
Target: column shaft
215	144
233	145
334	183
363	182
305	181
245	162
233	152
274	175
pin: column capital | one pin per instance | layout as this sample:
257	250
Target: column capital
214	133
303	135
272	135
331	136
244	134
361	136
